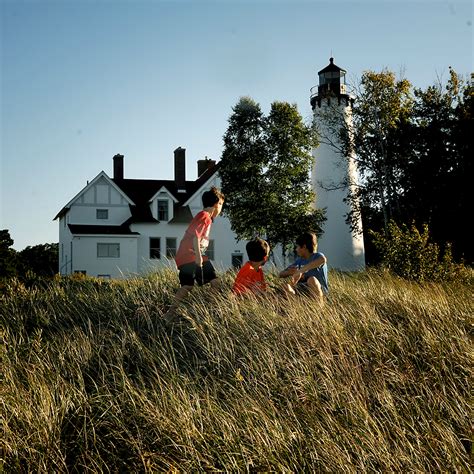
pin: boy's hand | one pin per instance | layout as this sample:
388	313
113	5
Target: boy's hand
198	261
295	278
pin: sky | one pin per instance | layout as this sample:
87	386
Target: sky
83	80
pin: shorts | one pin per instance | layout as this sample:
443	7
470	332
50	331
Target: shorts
190	272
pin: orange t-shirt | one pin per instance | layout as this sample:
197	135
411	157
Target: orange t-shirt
249	279
199	227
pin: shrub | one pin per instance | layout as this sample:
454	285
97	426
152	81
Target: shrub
408	253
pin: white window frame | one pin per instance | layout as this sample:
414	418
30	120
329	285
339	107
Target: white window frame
109	250
154	248
158	201
98	211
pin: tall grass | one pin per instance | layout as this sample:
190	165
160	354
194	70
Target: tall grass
95	381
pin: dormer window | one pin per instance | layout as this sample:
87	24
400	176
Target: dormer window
102	213
163	214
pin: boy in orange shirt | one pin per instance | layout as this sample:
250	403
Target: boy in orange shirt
250	278
192	264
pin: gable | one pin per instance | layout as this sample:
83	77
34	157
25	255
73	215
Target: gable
101	191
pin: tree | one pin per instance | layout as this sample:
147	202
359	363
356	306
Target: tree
40	259
438	174
414	155
265	169
381	118
7	255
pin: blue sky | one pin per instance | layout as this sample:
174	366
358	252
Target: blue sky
84	80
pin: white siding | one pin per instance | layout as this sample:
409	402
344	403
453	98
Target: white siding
85	256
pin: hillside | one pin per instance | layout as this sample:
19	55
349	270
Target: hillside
377	380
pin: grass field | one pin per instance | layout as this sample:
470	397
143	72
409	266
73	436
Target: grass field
377	380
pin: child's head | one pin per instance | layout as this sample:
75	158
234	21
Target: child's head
213	198
257	250
306	241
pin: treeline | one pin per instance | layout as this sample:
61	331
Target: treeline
414	154
37	260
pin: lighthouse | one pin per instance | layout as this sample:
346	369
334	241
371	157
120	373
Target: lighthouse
333	175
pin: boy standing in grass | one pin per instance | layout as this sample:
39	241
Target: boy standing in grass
250	278
309	272
192	264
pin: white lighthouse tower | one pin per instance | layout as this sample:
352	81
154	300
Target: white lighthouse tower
333	174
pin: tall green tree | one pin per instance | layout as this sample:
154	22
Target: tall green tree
265	170
440	167
413	149
380	121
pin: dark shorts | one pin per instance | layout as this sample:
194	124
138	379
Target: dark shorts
190	272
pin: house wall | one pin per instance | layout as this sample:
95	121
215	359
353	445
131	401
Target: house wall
65	254
85	256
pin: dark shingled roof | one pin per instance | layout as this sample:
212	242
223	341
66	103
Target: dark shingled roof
123	229
140	191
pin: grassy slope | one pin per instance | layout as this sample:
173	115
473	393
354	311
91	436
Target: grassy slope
376	380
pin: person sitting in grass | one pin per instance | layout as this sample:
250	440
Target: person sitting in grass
192	263
309	272
250	278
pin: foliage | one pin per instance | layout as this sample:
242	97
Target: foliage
413	155
43	259
31	262
381	110
375	381
409	253
265	173
7	255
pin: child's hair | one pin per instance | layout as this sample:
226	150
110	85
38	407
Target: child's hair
257	249
211	197
309	239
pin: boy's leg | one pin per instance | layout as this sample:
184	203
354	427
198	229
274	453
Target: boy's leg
180	295
187	274
315	288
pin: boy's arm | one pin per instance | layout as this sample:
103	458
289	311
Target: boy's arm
321	260
197	251
288	272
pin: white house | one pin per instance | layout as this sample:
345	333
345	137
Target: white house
118	227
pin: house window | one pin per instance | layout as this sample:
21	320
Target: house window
155	247
210	250
237	260
108	250
102	213
170	247
104	276
162	209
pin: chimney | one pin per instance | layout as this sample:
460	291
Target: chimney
118	167
204	165
180	168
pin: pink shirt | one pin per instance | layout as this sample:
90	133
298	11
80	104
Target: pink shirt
199	227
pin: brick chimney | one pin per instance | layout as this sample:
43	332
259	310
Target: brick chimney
204	165
180	168
118	167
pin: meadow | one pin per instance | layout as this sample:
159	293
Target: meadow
378	380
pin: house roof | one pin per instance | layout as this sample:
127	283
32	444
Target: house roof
140	192
123	229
